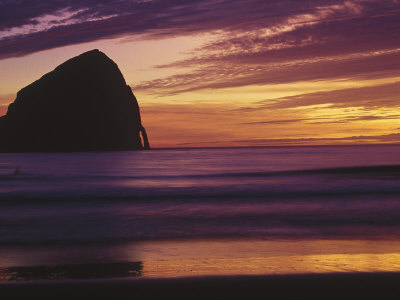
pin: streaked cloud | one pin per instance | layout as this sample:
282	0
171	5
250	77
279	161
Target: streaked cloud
37	26
372	97
249	43
239	75
353	140
329	40
217	124
385	138
261	72
327	120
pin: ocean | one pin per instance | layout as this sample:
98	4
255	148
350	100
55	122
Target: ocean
196	212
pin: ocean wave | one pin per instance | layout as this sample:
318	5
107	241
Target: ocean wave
357	170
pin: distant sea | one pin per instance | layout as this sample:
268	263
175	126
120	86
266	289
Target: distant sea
189	212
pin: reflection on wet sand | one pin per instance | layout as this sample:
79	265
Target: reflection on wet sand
181	258
275	265
263	257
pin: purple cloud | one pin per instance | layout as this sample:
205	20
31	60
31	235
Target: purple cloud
90	20
333	41
256	42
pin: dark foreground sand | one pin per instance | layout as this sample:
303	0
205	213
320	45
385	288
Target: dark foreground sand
311	286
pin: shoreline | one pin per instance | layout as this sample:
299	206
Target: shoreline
303	286
188	258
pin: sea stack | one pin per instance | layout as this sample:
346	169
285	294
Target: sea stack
82	105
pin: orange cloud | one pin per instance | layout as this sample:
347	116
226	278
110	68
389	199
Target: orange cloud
208	125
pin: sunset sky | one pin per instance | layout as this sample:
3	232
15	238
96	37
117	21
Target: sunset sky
211	73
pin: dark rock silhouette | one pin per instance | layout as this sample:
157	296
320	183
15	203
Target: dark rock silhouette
82	105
